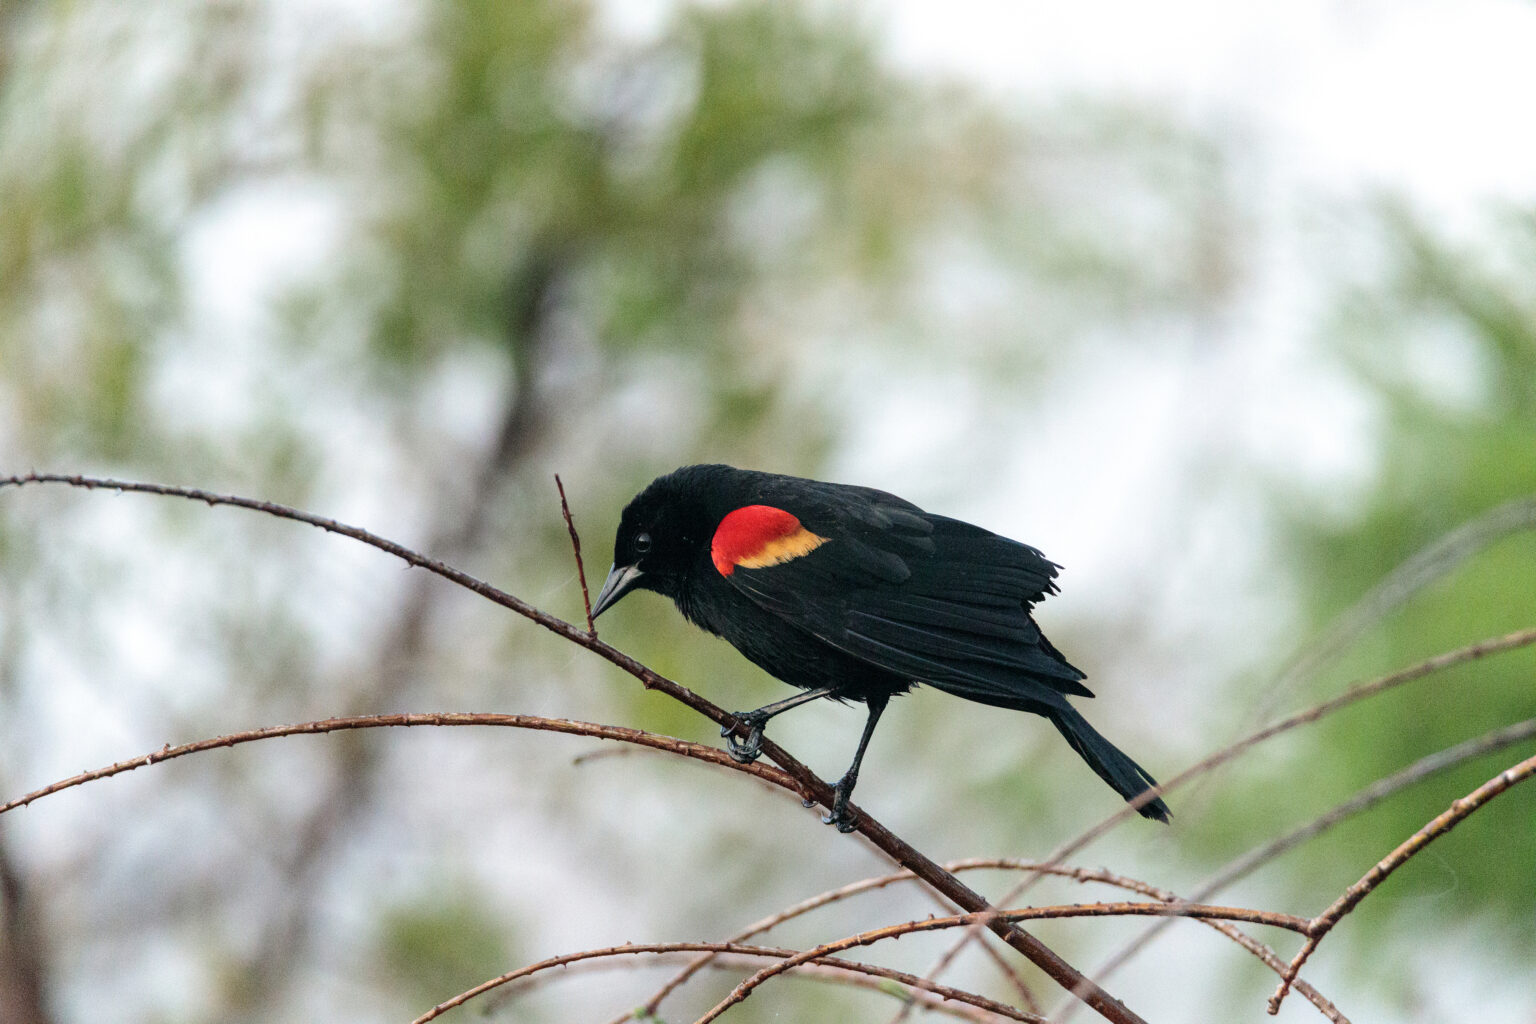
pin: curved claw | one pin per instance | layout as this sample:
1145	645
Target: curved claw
748	750
844	824
839	816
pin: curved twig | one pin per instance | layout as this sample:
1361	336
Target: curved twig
1430	563
1323	923
1080	874
1425	566
805	906
581	570
1352	694
879	979
918	998
658	741
1290	922
1244	865
901	977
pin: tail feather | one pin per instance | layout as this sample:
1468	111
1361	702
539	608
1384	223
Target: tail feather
1112	764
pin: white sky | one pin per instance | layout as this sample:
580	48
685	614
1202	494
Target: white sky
1432	97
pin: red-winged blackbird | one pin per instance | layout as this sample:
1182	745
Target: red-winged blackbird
854	594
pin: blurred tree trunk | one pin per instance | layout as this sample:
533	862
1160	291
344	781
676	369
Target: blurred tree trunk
23	964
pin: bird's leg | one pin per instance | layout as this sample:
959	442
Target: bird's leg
746	751
844	787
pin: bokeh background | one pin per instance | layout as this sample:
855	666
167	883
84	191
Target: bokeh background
1230	309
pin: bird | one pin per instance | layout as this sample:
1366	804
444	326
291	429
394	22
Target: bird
854	594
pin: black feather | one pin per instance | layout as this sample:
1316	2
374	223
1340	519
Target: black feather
886	596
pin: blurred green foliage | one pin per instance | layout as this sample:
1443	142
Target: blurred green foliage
1445	345
442	944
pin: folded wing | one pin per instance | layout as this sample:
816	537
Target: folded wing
923	596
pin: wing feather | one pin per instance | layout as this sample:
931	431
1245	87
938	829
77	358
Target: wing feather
923	596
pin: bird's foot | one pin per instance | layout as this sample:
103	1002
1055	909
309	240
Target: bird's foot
840	816
748	750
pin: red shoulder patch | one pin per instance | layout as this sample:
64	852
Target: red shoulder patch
756	536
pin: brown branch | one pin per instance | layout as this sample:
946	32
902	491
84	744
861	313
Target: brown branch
1306	716
1360	691
1080	874
1425	566
1290	922
944	991
805	906
1266	955
652	1005
811	787
284	928
1367	798
581	571
919	993
1323	923
649	679
877	979
697	751
868	976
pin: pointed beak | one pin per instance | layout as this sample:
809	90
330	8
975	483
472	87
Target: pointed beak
621	579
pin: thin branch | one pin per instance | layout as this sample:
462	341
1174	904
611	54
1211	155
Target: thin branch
1323	923
868	976
1367	798
697	751
1290	922
878	979
918	993
1430	563
1353	694
652	1005
782	955
811	787
1269	958
1266	955
1360	691
1080	874
805	906
581	572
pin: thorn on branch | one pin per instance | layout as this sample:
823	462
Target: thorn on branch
570	525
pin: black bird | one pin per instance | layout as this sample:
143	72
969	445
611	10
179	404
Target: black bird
855	594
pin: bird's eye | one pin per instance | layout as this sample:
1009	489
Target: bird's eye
642	543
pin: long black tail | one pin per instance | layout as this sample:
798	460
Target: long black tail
1112	764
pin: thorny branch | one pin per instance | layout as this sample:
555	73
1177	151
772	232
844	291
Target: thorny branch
1264	953
774	952
697	751
806	782
1244	865
1323	923
1350	695
788	959
581	571
1290	922
880	979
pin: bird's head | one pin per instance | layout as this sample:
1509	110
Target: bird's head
664	533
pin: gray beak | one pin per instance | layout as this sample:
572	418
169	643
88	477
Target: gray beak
621	580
